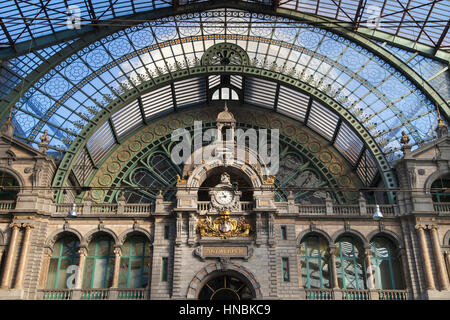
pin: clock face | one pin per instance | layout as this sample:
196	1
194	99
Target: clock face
224	197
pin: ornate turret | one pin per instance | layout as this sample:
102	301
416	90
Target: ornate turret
225	117
225	120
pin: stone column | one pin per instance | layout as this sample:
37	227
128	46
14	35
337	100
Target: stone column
334	277
118	254
426	258
83	253
447	261
23	256
439	261
369	271
45	265
2	250
7	271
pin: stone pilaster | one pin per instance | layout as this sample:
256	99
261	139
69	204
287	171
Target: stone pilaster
83	253
8	270
117	255
45	265
425	257
439	261
334	277
369	271
23	256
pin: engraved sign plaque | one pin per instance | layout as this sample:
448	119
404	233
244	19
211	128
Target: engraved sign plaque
216	251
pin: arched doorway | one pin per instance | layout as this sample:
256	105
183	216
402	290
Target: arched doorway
226	286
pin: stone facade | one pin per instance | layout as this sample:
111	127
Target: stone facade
419	228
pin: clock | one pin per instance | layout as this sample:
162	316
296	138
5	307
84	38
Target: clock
224	197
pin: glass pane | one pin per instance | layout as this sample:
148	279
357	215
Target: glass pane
385	275
64	275
123	273
70	247
325	273
103	247
314	273
51	276
145	272
87	272
137	246
135	273
99	273
350	279
313	246
304	273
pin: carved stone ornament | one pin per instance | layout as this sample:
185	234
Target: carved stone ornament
224	227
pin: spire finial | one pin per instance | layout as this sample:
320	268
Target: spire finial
441	129
226	107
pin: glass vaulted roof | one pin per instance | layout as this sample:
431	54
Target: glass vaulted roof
63	100
67	96
422	21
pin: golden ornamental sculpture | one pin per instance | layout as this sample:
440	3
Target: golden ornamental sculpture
181	181
224	227
269	180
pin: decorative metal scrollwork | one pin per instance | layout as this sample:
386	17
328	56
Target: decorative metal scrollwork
223	54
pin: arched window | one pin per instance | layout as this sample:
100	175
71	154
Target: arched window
134	263
225	93
385	264
314	259
10	183
350	264
63	263
99	266
440	189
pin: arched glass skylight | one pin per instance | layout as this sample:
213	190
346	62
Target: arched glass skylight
382	98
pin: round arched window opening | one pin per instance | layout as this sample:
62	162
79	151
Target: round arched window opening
440	189
226	286
9	186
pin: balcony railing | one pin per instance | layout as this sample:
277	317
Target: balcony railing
353	294
143	294
328	209
443	207
319	294
7	205
94	294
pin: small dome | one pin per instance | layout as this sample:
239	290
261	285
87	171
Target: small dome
225	116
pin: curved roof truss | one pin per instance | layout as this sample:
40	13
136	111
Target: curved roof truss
256	86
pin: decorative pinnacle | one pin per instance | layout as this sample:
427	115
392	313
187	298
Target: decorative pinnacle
440	122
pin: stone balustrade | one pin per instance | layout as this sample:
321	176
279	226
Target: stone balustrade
143	294
441	207
283	208
7	205
94	294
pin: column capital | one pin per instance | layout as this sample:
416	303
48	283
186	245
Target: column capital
118	251
28	226
432	227
420	227
367	252
83	251
332	250
15	225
